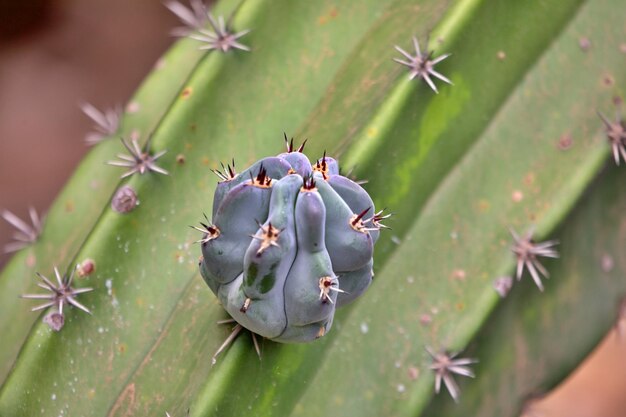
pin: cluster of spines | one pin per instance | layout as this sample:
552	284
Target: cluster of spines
357	222
139	161
328	284
262	179
321	166
209	231
269	237
291	148
309	183
227	173
616	135
58	296
220	37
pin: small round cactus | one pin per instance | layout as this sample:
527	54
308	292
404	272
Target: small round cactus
290	241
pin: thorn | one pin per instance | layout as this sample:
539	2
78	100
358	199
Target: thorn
421	66
262	179
25	234
360	216
445	365
308	183
222	38
139	161
228	172
106	122
326	285
290	147
229	340
193	18
287	144
226	343
209	230
256	345
321	166
376	220
59	296
246	305
616	134
527	251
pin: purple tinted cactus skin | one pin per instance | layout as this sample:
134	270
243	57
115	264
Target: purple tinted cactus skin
275	168
303	303
355	197
299	162
309	314
354	283
327	165
349	248
289	244
265	268
236	221
210	280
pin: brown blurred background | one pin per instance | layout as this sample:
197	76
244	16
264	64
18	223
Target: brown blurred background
57	54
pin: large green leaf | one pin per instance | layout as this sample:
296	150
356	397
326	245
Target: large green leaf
459	243
535	340
80	204
448	165
218	117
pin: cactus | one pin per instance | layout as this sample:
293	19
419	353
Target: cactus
513	144
288	244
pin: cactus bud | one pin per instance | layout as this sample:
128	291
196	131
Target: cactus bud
295	242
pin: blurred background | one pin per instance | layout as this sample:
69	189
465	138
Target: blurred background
55	55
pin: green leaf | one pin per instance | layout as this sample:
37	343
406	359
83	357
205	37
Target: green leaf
458	242
77	208
558	329
451	166
218	117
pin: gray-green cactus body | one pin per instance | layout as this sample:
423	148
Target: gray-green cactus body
354	283
289	243
355	197
349	243
299	163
